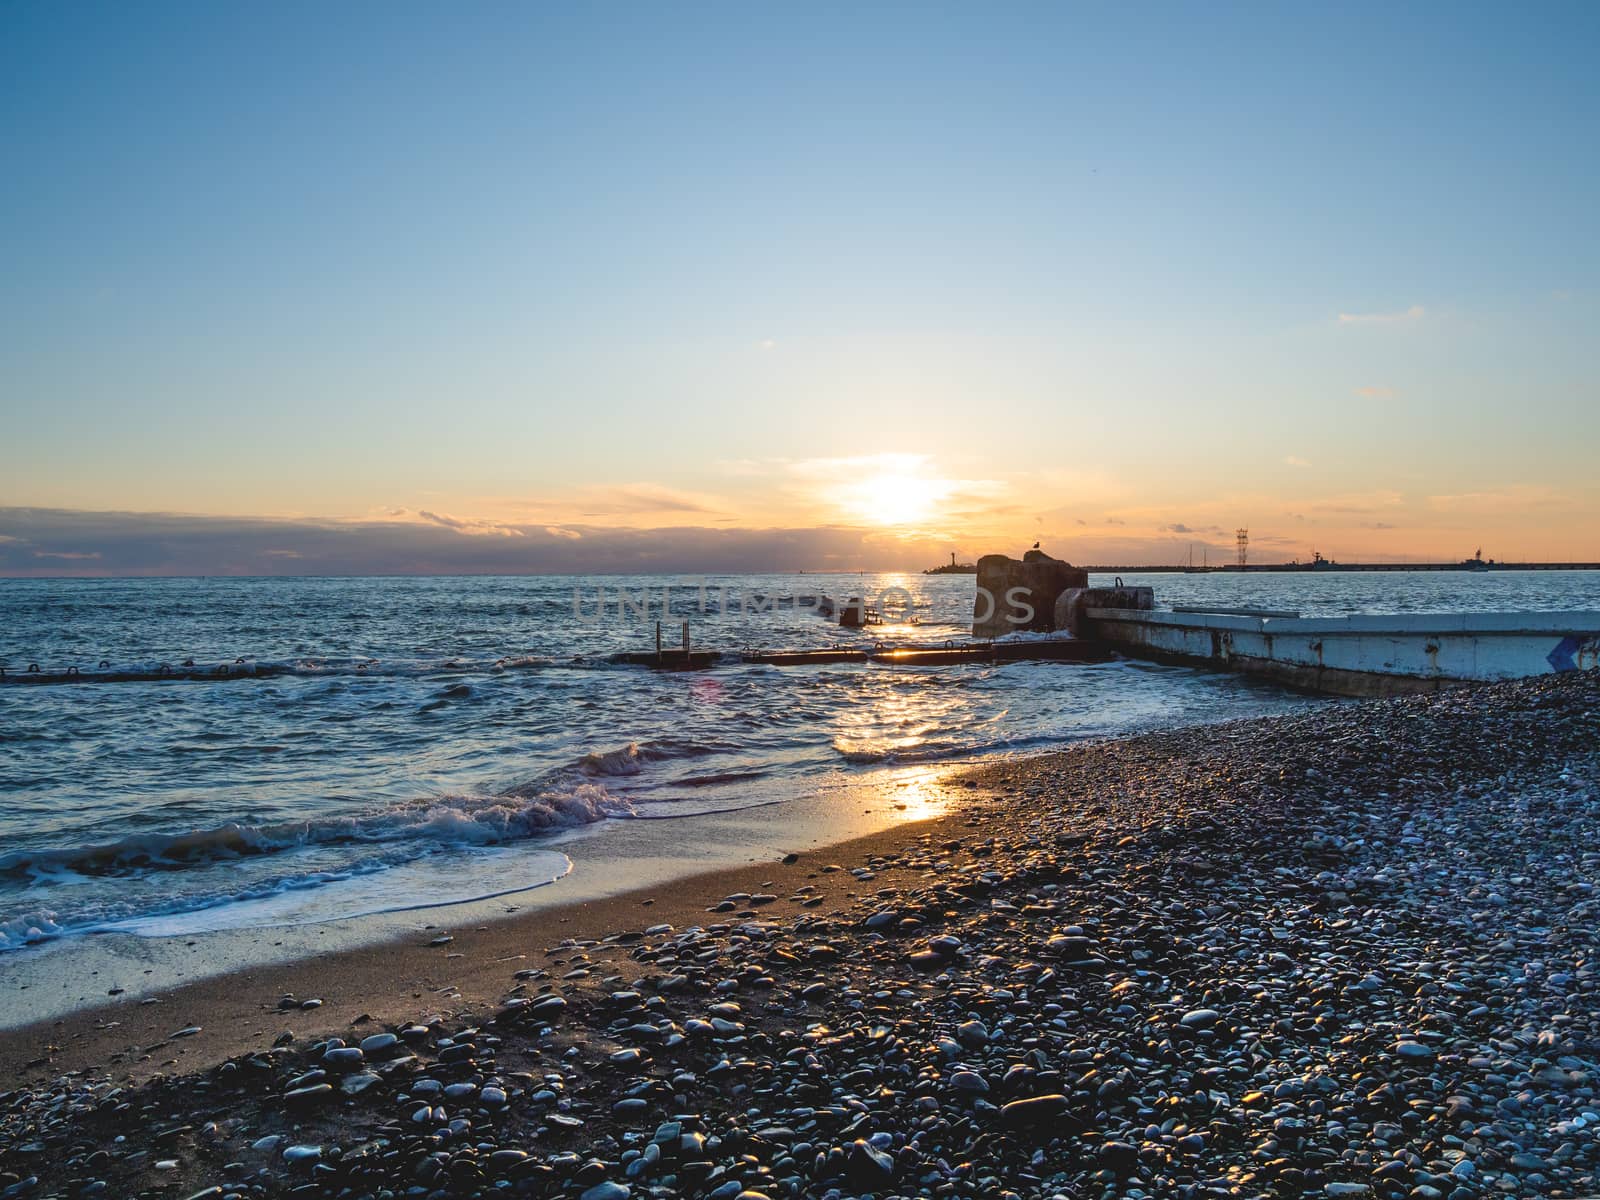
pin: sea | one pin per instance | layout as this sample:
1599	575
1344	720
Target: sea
379	744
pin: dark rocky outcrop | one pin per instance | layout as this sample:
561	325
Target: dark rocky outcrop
1016	595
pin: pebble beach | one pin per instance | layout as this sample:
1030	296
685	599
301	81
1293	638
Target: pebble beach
1349	951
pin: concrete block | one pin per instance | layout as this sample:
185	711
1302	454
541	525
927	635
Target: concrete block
1073	604
1020	595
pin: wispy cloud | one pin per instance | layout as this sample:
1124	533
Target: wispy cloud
1294	460
622	503
1360	503
1514	498
1375	392
648	497
470	527
1415	313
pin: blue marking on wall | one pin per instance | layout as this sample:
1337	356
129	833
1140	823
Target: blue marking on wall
1564	656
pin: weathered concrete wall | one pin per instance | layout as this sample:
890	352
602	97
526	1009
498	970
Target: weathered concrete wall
1361	656
1073	603
1017	595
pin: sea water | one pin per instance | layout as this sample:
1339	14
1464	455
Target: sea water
424	741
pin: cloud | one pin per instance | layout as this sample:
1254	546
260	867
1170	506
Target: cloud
1375	392
140	544
1179	529
1360	503
1415	313
1516	497
1294	460
639	502
471	527
1377	525
650	497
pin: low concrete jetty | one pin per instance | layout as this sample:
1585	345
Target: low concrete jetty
1029	650
1356	655
669	659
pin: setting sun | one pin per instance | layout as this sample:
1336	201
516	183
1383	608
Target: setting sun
898	499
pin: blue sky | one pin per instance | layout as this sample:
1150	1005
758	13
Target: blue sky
961	275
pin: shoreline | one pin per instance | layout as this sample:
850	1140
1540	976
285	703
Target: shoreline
1346	952
403	974
109	974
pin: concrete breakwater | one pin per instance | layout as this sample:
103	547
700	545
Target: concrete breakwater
1358	655
1352	655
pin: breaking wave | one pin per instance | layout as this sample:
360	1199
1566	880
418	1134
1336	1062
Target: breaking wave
445	821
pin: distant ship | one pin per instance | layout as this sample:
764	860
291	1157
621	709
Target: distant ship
953	568
1317	563
1477	562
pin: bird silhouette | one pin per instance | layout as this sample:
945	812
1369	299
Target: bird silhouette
1036	545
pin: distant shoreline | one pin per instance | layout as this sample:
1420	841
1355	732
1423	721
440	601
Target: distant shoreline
1329	568
823	572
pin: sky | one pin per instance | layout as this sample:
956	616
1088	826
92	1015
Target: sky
409	287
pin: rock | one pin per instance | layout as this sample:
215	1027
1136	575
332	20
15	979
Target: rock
867	1166
1120	1156
354	1085
972	1034
1013	596
1034	1110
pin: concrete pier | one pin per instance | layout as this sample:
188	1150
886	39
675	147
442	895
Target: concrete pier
1358	655
1029	650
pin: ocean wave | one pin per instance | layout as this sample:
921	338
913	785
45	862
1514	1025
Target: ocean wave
867	753
196	671
565	798
443	820
29	928
348	891
633	758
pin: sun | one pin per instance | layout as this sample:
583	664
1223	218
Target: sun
895	498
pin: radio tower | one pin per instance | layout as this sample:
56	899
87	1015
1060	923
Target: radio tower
1242	536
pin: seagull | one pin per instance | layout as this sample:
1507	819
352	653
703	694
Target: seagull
1036	545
